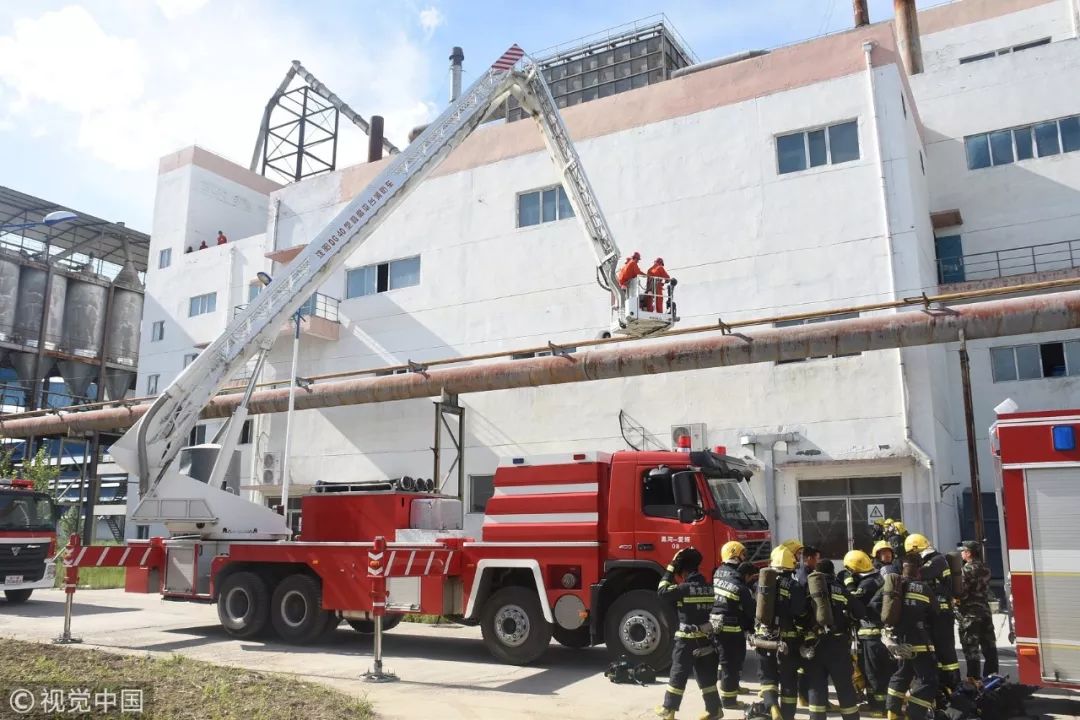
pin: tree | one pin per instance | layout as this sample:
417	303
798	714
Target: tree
43	474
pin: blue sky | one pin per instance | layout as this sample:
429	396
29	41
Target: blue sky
92	93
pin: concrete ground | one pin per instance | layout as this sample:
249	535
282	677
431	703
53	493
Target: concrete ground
445	671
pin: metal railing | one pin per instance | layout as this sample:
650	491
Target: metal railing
318	305
1005	263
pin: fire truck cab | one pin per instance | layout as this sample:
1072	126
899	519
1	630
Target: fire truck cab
27	539
1039	462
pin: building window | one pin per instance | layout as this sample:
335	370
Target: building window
198	435
165	258
1032	362
373	279
481	489
544	205
811	321
190	358
830	145
151	384
202	304
1004	51
1002	147
245	433
157	331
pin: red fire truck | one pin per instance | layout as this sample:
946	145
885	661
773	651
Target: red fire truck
27	539
571	547
1039	463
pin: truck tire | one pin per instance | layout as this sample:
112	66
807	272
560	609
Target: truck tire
367	627
513	626
243	604
17	597
576	639
296	610
640	626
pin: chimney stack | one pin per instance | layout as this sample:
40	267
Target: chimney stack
375	139
907	35
862	15
457	55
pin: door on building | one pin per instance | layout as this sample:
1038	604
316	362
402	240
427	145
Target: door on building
837	514
950	259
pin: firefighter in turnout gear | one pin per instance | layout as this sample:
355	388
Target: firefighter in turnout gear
732	618
836	613
778	635
936	573
908	613
884	557
975	621
874	660
693	648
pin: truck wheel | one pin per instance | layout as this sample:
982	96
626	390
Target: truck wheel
296	610
243	604
576	639
640	626
367	627
16	597
514	627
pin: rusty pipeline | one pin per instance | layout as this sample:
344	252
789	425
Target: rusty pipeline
912	328
907	35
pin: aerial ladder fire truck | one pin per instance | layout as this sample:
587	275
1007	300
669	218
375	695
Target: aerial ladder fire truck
572	545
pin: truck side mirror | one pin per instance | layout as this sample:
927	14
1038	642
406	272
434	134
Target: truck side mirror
688	515
684	488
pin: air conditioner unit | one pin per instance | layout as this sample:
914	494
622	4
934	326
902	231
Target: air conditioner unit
271	466
697	433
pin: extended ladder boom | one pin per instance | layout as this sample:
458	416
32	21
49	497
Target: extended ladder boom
151	445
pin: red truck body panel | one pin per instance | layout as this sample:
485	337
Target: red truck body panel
1040	550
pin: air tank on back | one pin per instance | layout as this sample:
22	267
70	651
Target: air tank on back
31	299
9	297
122	338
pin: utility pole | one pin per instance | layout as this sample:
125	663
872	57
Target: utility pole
973	451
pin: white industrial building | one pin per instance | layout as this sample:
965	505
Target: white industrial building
815	176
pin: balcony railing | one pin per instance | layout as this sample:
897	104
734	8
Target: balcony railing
318	305
1014	261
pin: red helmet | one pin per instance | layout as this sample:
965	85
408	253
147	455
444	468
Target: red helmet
658	261
635	256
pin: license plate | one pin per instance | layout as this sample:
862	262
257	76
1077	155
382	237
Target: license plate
13	579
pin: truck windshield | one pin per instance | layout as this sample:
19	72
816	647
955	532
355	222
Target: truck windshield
735	504
25	511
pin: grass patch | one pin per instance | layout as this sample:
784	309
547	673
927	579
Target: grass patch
176	687
95	578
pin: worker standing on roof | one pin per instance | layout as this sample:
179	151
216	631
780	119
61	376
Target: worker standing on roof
693	648
732	618
221	239
202	245
657	275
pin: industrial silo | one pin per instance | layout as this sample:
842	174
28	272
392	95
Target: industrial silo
84	316
9	297
122	339
31	299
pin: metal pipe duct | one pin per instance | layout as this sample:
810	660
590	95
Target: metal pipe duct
907	35
726	60
997	318
375	139
862	15
457	56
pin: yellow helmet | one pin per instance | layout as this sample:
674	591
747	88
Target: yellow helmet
916	543
858	562
881	545
899	527
793	546
732	549
782	558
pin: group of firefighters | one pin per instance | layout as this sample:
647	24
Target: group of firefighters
896	606
655	277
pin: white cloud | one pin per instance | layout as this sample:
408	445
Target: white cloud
124	101
173	9
430	20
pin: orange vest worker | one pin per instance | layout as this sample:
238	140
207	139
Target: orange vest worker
629	270
656	287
